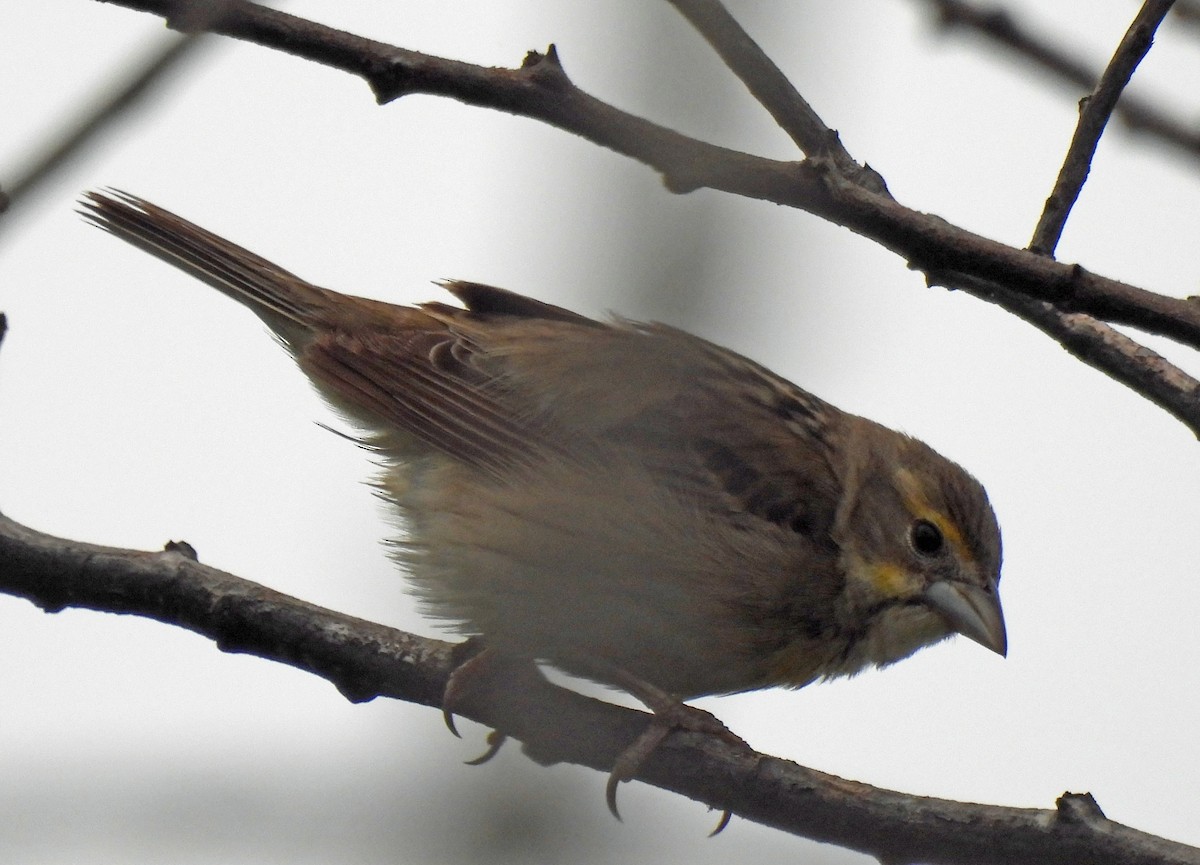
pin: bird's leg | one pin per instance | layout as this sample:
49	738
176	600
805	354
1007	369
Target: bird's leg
467	656
481	664
670	713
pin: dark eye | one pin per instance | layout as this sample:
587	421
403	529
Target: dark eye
926	538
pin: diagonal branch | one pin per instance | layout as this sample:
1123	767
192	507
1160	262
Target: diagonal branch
767	83
121	97
103	113
365	660
1095	343
541	90
1086	338
999	25
1093	117
1090	340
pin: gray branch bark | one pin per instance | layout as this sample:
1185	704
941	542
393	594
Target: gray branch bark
364	660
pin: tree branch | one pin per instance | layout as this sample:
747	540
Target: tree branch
1001	27
101	115
1093	117
365	660
1093	342
767	83
1090	340
541	90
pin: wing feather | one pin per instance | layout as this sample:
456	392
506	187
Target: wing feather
511	381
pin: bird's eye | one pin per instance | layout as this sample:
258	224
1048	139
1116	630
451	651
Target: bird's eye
926	538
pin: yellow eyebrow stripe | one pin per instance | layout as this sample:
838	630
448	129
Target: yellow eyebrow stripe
918	505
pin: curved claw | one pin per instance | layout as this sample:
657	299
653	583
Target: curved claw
448	717
610	795
726	816
631	759
495	741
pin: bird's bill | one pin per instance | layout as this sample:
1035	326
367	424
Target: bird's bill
972	611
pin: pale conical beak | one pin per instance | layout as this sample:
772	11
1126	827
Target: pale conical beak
971	611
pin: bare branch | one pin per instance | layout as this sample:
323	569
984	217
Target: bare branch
1141	369
1187	12
364	660
1092	341
772	89
103	114
1093	117
1144	370
541	90
999	25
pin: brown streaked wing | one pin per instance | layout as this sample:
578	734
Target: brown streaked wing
757	443
424	383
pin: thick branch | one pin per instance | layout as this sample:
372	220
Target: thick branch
365	660
541	90
1091	341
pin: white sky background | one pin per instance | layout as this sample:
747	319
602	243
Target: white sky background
140	406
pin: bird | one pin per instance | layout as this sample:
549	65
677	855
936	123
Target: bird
623	500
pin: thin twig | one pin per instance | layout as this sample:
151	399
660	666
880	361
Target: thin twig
99	116
1095	343
1093	117
1004	29
365	660
1088	339
1140	368
1187	12
772	88
244	617
541	90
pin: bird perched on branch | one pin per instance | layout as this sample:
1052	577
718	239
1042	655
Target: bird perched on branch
623	500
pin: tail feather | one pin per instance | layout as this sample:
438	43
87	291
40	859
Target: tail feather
412	376
288	304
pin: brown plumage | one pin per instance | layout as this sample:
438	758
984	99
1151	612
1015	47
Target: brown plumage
624	495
